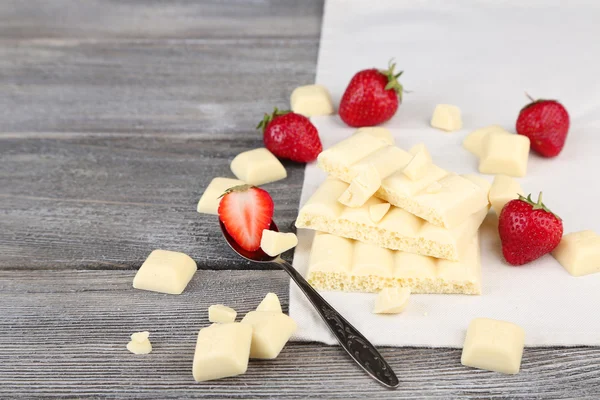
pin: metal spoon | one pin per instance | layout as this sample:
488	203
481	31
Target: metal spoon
355	344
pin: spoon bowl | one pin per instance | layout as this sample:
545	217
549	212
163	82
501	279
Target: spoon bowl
258	256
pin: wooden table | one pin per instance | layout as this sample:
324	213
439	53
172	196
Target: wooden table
114	116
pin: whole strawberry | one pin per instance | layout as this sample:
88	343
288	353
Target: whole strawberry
546	124
290	135
246	211
371	98
528	230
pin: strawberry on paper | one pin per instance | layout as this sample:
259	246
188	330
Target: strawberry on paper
246	211
290	135
528	230
371	98
546	124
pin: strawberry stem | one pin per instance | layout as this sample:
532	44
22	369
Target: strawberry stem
392	77
269	117
539	205
529	97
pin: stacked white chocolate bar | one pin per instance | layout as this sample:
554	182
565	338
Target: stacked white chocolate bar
388	217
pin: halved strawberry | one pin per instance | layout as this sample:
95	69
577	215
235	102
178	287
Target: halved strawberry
246	211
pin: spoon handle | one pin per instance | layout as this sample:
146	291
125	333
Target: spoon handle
355	344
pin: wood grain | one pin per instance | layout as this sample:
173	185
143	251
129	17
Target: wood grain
67	339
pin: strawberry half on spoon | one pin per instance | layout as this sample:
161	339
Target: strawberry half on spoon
246	211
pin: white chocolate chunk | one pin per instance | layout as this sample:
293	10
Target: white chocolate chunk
418	166
274	243
311	100
165	272
258	167
221	314
473	142
504	154
378	132
420	148
222	350
378	211
504	189
361	188
446	117
579	253
270	332
139	343
391	300
435	187
270	303
494	346
209	202
481	182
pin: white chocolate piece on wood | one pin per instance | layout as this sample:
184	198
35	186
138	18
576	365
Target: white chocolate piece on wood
378	132
446	117
209	202
222	350
494	346
579	253
165	272
504	189
473	142
274	243
311	101
418	166
504	154
391	300
258	167
378	211
140	344
221	314
270	303
361	188
270	332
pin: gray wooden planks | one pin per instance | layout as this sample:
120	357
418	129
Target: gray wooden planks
68	334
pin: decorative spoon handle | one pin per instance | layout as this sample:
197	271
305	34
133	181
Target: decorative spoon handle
355	344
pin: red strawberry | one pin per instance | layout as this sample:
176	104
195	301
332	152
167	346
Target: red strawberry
246	211
528	230
546	124
290	135
371	98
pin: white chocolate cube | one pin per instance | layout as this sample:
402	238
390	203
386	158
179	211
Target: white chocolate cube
222	350
446	117
274	243
420	148
473	142
270	303
392	300
362	187
209	202
378	211
271	331
140	344
504	189
221	314
418	166
504	154
494	346
378	132
579	253
257	167
311	100
165	272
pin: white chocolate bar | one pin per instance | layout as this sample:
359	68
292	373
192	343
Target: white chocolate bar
494	346
504	154
270	332
378	132
363	186
222	350
579	253
221	314
504	189
209	202
350	266
140	344
311	100
446	117
257	167
378	211
398	230
473	142
391	300
165	272
270	303
418	166
449	207
274	243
